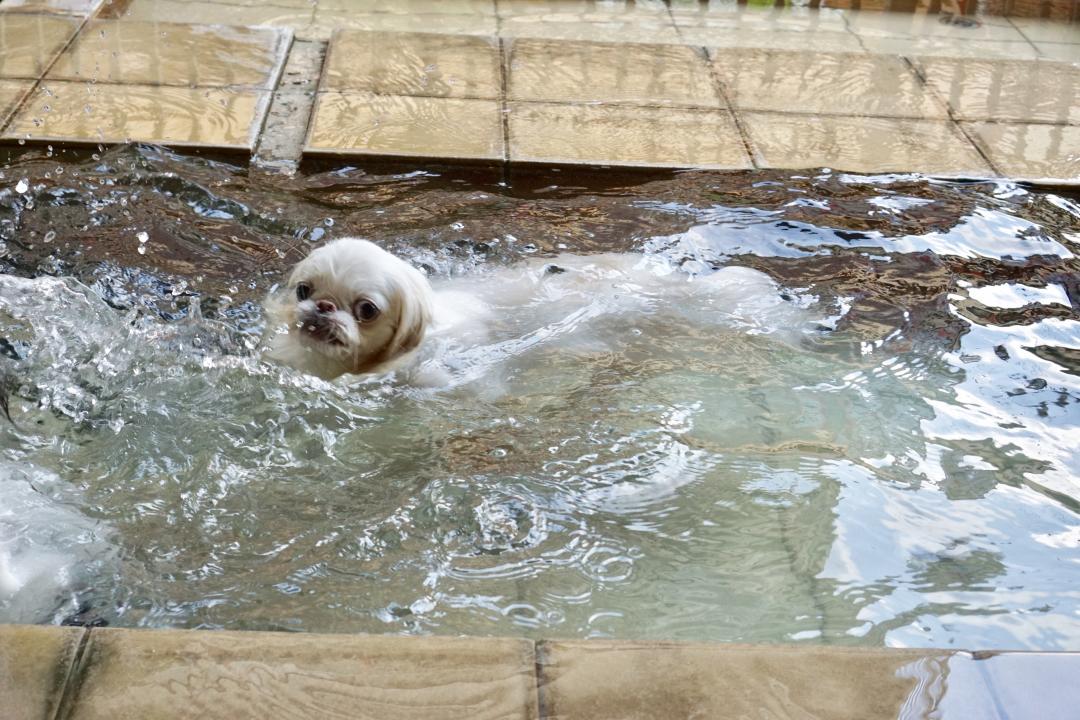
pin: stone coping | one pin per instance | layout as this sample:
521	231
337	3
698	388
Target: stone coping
82	673
617	84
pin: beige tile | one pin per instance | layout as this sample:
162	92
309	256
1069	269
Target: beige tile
412	7
12	93
1064	52
327	21
183	674
34	666
829	83
582	8
357	123
277	14
28	43
1006	90
76	111
736	18
1031	151
428	64
616	30
624	135
861	144
543	70
1047	30
153	53
600	680
948	47
81	8
921	25
808	40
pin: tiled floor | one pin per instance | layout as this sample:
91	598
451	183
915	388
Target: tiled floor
103	674
646	83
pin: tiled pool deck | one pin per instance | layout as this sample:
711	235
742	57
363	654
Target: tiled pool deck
61	673
578	82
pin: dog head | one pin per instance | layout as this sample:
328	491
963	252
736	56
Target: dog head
348	307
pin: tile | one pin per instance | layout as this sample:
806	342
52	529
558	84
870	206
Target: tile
948	47
186	674
861	144
1022	150
327	21
28	43
742	18
412	7
427	64
1018	686
357	123
276	14
1006	90
628	680
1039	30
12	93
590	9
1064	52
568	71
621	30
920	25
824	83
153	53
81	8
34	665
808	40
624	135
76	111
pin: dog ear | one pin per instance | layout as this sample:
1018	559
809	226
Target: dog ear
412	299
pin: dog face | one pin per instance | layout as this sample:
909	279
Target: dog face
348	307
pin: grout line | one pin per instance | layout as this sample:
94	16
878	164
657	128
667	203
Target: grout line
1020	30
952	116
73	677
539	651
721	90
504	104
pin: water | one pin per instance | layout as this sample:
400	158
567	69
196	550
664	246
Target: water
903	469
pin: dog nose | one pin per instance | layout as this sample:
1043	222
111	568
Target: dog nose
325	307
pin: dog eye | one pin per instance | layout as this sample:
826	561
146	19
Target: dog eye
365	310
303	291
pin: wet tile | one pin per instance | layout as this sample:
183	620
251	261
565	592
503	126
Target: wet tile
11	94
1063	52
412	7
624	135
152	53
1017	686
807	41
81	8
861	144
541	70
628	680
949	47
1006	90
183	674
276	14
1039	30
327	21
918	25
28	43
75	111
615	29
357	123
736	18
829	83
34	666
1030	150
427	64
583	9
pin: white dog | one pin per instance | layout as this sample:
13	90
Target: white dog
351	307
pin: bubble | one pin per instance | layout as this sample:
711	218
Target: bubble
142	236
22	186
50	236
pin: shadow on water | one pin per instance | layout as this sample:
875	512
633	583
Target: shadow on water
905	474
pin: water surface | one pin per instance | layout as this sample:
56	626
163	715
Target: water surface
904	470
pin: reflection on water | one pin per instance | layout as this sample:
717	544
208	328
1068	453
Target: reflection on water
904	471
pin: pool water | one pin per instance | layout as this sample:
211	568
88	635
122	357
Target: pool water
900	467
